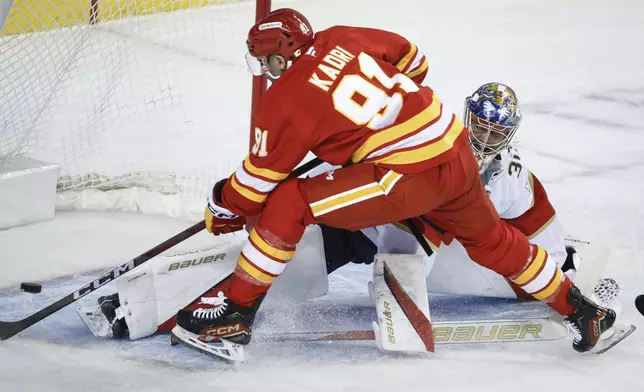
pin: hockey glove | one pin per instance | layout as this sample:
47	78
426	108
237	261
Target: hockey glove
220	220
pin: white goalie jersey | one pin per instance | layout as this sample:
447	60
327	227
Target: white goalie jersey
521	200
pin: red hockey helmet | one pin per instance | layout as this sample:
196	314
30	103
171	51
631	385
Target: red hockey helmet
285	32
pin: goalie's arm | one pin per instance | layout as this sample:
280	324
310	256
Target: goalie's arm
532	213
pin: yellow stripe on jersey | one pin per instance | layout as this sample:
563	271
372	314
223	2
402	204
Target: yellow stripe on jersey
431	113
256	184
269	250
533	269
266	173
424	65
356	195
253	271
551	288
247	193
542	228
389	180
407	58
346	199
426	152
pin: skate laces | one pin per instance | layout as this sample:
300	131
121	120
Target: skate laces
219	303
573	330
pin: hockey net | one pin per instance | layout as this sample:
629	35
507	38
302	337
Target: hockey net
127	94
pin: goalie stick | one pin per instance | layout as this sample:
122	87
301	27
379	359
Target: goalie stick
443	333
491	331
468	332
10	328
446	332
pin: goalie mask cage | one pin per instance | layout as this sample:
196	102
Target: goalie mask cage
121	94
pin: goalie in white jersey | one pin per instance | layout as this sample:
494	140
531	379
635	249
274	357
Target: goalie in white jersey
493	115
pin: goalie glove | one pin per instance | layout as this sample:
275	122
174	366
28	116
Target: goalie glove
219	219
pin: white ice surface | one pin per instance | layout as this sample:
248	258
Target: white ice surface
577	67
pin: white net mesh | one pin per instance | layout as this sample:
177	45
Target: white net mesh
142	97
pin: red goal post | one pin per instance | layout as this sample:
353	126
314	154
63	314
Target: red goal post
262	8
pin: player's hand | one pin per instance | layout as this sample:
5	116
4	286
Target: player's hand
220	220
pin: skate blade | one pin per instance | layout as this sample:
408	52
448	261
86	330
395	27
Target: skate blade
620	332
208	345
96	322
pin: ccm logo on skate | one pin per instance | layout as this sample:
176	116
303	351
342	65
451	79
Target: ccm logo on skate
226	330
193	262
490	332
108	277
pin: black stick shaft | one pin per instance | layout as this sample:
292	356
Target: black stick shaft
419	237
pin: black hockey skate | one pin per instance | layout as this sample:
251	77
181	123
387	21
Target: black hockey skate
588	322
224	319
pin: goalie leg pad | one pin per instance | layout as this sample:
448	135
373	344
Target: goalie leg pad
402	306
136	303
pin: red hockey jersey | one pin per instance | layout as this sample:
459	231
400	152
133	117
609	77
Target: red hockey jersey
354	96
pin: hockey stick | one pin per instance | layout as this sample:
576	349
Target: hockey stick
10	328
419	237
639	303
448	332
540	329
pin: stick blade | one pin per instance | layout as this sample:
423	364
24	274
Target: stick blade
639	303
9	328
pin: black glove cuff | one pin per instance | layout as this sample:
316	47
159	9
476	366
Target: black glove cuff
218	189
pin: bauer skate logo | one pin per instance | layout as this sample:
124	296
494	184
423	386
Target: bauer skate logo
487	333
271	25
329	175
103	280
389	323
193	262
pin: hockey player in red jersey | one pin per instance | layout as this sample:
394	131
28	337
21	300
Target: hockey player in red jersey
352	96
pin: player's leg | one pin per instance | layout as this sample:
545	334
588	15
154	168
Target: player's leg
355	197
148	303
502	248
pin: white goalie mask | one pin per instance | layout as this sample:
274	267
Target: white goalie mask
493	117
